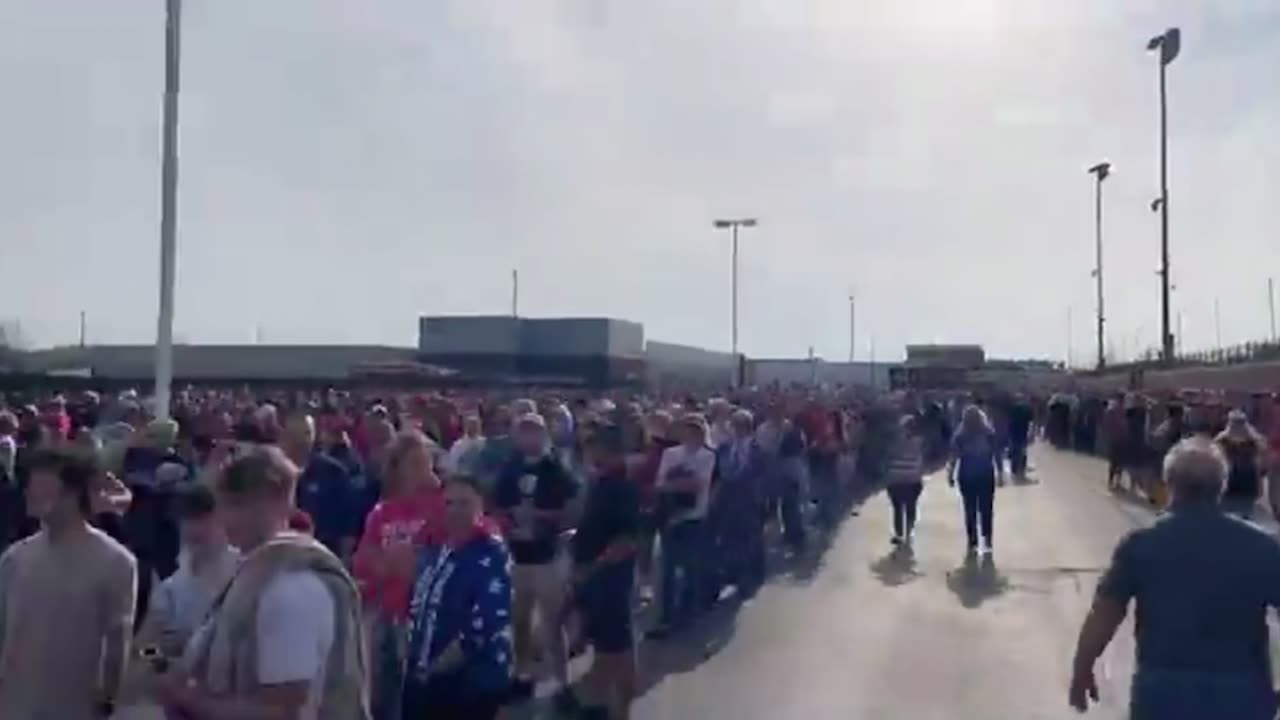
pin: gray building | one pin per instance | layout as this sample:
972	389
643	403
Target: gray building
673	366
816	371
594	351
215	362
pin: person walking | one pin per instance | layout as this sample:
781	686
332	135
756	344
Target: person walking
974	466
905	481
604	575
67	596
1202	583
285	638
409	516
460	654
1245	450
533	498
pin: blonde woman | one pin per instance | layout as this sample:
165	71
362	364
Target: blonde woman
975	462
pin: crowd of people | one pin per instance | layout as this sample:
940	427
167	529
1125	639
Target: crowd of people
391	555
402	556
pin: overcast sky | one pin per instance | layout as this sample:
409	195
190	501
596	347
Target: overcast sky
347	165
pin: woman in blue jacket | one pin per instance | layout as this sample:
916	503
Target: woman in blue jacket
975	463
459	659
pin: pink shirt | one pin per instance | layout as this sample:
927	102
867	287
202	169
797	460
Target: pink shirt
411	521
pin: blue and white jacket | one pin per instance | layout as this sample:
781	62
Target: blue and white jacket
463	594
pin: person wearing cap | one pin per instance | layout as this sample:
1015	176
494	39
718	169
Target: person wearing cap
153	470
604	550
684	489
1244	449
532	499
1202	583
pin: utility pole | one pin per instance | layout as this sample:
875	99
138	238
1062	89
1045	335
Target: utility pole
515	293
82	328
1168	43
732	225
1100	173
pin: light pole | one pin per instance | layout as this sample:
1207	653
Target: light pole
168	205
1271	305
1168	43
1100	173
853	326
732	225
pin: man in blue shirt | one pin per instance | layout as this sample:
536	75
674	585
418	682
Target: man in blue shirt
1202	583
325	490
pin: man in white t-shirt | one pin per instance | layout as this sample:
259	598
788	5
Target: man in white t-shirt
684	488
285	640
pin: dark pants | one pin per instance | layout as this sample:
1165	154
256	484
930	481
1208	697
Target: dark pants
978	495
789	499
1018	457
1186	695
443	700
683	549
825	487
737	551
904	499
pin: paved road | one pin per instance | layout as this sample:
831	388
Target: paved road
868	635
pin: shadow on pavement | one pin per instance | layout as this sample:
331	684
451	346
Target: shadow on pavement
686	650
976	581
898	567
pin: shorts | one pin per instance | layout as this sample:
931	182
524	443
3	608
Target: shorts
604	606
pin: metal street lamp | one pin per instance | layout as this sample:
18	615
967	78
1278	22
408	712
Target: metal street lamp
1168	44
168	205
1100	173
732	225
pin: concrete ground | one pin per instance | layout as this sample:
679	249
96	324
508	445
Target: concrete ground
855	631
868	634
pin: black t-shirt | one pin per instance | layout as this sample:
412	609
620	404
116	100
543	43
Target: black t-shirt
546	484
612	512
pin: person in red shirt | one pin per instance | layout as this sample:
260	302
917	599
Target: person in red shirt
409	517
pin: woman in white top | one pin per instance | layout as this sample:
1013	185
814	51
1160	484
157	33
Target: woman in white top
906	478
684	490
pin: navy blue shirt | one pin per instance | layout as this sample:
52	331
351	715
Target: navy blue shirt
326	493
1202	582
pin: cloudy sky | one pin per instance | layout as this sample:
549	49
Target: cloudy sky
348	165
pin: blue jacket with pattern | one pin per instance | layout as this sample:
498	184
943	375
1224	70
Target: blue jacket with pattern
463	594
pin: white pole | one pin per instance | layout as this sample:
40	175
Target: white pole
168	206
1271	305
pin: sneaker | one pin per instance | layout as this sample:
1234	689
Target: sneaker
895	540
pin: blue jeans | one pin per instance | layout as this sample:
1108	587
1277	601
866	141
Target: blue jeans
1190	695
682	578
